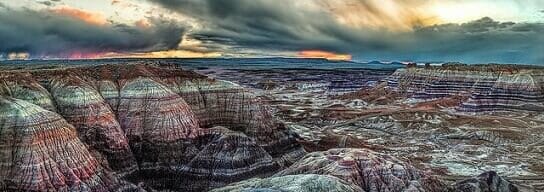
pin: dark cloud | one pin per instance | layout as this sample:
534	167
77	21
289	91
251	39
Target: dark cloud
266	26
50	2
482	40
44	33
279	25
46	3
260	23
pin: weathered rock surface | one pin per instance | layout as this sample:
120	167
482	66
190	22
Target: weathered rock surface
40	151
487	87
152	125
233	156
82	106
485	182
372	171
292	183
23	86
220	103
158	124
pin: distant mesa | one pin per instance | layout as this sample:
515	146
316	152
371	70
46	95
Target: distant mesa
376	62
490	87
386	63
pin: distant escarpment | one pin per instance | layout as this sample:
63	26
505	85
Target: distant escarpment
102	128
483	87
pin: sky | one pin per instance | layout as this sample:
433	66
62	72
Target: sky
469	31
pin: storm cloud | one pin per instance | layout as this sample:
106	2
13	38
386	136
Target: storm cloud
46	33
416	30
285	25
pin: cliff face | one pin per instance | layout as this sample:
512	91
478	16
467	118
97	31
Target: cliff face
372	171
83	107
487	181
352	169
151	125
487	88
40	151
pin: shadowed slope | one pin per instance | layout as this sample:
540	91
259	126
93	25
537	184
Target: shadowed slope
372	171
82	106
40	151
151	124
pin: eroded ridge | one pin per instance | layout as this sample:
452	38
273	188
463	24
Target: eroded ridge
151	125
40	151
372	171
485	87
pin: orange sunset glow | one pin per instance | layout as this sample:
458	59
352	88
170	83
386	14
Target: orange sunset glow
88	17
324	55
507	31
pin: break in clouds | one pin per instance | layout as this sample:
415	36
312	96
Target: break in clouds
273	25
51	34
364	29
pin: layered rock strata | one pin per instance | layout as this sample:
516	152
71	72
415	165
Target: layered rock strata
158	125
372	171
362	170
487	87
83	107
488	181
233	156
23	86
221	103
292	183
40	151
152	124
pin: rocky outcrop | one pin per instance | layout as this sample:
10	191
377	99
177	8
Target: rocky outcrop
83	107
23	86
372	171
485	182
157	123
40	151
221	103
152	124
292	183
233	156
487	87
379	94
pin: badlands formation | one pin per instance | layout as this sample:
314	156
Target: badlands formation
456	120
148	127
135	127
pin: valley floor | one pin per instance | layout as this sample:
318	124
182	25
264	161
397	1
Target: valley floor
433	134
